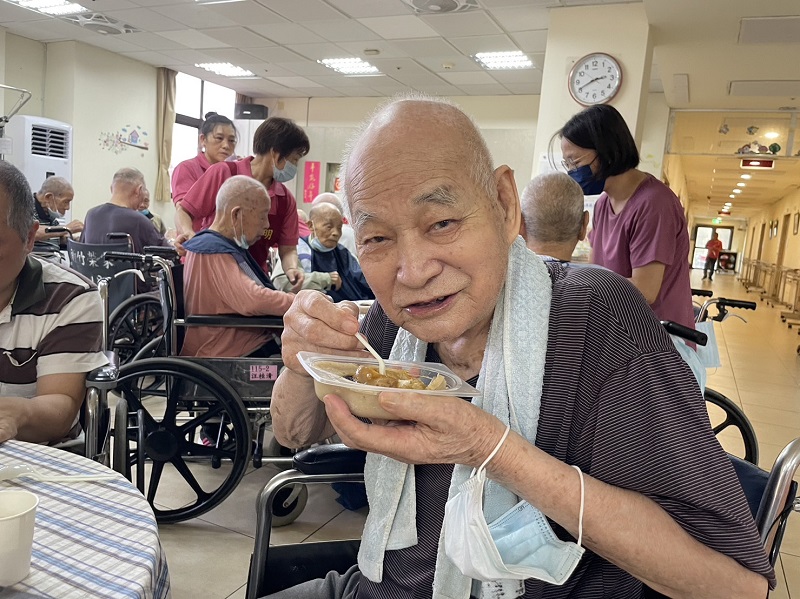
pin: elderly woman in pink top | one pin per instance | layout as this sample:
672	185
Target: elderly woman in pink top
639	228
217	142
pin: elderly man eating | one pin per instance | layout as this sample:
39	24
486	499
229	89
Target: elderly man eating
589	452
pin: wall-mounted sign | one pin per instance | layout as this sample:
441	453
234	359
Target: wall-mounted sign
311	182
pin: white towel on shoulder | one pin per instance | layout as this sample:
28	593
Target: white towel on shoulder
510	379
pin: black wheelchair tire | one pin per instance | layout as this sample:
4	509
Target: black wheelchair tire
165	441
734	416
127	333
283	516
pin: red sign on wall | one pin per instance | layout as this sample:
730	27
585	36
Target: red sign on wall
311	182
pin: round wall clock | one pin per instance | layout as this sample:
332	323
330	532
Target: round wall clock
595	79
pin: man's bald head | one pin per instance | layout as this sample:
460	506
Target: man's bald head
553	217
58	186
442	133
323	210
241	191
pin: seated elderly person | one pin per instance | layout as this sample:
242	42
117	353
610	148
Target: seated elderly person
221	277
121	214
553	218
327	264
51	203
588	427
50	328
348	238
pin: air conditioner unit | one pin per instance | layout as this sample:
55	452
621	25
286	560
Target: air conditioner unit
40	148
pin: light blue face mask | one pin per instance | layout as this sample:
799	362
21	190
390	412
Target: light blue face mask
519	545
240	240
316	245
287	173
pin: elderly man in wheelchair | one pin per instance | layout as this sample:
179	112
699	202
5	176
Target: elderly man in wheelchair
50	328
604	476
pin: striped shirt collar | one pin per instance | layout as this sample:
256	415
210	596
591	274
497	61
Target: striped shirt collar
30	287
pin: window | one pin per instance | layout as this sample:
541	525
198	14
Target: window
194	98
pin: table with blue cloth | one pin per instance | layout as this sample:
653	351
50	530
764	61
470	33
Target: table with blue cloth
91	539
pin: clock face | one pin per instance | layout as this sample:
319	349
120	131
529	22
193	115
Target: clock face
595	79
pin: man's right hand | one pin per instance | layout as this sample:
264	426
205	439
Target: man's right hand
75	226
336	280
314	323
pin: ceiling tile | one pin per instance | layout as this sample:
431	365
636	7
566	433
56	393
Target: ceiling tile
385	49
341	31
483	43
45	31
231	55
538	59
359	9
152	41
490	4
189	57
338	80
148	57
306	68
10	13
358	92
432	46
197	17
149	3
455	63
468	78
443	90
146	19
389	86
521	18
421	80
112	43
104	5
517	76
462	24
484	90
238	37
524	88
192	38
324	92
294	82
247	13
273	54
299	10
318	51
290	33
265	69
401	27
531	41
395	67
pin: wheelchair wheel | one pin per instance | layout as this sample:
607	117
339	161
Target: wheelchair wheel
733	417
185	399
134	323
289	504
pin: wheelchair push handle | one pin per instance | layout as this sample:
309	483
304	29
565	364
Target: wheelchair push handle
673	328
731	303
127	257
56	230
702	292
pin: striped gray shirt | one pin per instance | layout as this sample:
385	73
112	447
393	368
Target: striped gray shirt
621	404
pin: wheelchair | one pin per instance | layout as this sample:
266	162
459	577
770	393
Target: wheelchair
183	414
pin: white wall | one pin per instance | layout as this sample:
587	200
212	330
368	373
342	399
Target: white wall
654	135
25	68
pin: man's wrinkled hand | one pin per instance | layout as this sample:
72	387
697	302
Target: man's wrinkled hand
75	226
314	323
336	280
296	278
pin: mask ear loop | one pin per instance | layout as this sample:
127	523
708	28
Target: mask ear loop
580	513
494	451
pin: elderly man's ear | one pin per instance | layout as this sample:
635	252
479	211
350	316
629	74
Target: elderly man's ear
584	226
508	200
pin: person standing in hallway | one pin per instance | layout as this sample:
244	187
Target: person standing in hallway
639	228
713	248
217	142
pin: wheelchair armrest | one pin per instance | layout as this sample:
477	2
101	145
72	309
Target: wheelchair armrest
329	459
231	320
104	374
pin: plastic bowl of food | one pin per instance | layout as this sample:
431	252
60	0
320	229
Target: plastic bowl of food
358	382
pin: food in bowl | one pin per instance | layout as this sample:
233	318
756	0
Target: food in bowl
358	381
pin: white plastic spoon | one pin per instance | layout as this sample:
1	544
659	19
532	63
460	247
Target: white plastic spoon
370	349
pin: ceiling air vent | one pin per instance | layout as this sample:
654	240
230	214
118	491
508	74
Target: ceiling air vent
100	23
49	142
438	7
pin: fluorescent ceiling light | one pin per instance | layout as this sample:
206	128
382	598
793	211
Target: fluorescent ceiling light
39	4
740	184
746	176
350	66
225	69
503	60
772	135
67	9
737	191
204	2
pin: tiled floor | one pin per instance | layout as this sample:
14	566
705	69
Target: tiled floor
760	370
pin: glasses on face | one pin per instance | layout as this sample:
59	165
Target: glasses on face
571	164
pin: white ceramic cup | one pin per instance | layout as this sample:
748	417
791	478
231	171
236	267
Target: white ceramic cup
17	517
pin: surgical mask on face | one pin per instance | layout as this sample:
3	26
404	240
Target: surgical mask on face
316	244
519	545
585	178
287	173
240	240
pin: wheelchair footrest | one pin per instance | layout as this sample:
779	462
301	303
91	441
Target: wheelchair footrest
329	459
